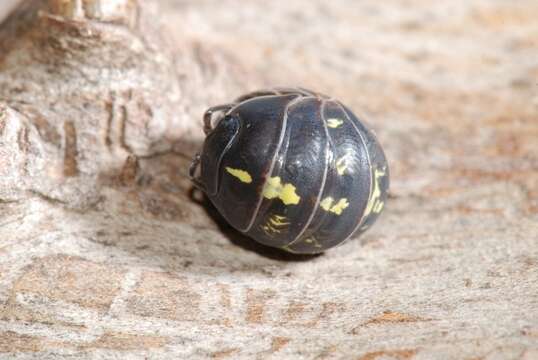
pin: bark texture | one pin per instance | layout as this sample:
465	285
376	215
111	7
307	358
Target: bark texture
106	252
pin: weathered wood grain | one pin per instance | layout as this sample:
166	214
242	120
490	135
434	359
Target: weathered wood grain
105	252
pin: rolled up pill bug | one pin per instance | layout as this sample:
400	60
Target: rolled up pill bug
292	169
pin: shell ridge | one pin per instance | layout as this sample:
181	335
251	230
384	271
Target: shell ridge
221	156
359	223
273	161
328	146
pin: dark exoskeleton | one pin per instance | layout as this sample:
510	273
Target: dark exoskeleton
292	169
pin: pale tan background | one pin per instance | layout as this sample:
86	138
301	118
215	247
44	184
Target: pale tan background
104	253
6	6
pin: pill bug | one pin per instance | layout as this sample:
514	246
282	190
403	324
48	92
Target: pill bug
292	168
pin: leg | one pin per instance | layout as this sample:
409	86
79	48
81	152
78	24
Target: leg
192	172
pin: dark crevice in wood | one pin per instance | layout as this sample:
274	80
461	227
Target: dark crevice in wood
122	126
71	152
109	106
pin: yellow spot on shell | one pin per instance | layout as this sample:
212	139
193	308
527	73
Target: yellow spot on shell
278	220
269	230
339	206
286	192
275	224
374	204
312	240
341	165
288	195
378	207
334	123
328	204
242	175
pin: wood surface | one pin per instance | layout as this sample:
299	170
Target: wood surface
106	253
